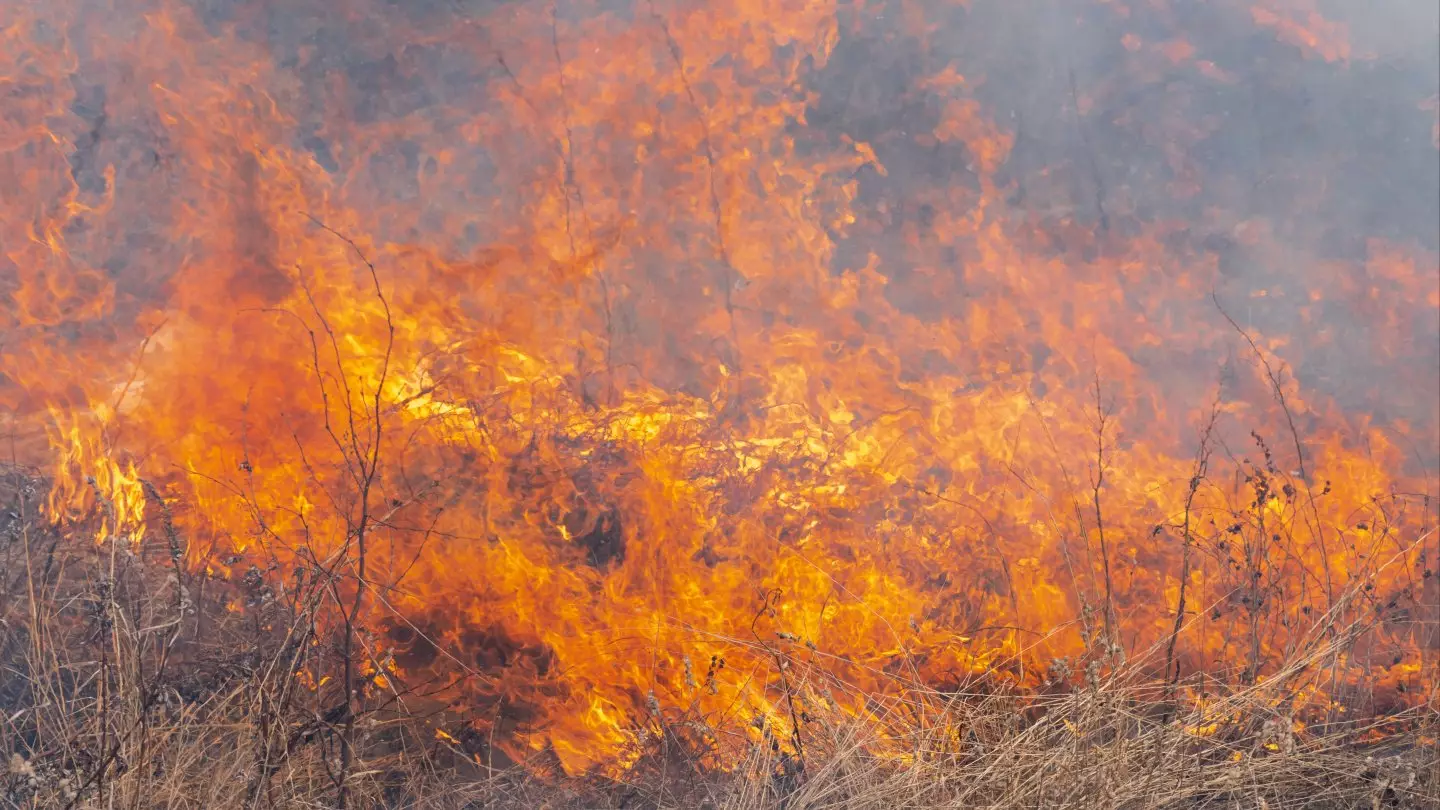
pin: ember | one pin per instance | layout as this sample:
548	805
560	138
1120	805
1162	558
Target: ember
613	373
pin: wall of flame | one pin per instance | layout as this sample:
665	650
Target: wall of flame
673	332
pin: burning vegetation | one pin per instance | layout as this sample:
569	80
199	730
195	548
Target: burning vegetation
730	404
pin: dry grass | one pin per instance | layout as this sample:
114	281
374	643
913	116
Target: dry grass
131	682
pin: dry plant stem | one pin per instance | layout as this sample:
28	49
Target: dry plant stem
1197	477
1097	482
1278	391
780	666
37	645
1081	594
272	751
363	460
729	275
594	252
571	185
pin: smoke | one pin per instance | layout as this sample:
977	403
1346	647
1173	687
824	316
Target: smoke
1289	143
1400	32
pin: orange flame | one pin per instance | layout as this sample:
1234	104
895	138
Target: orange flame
649	376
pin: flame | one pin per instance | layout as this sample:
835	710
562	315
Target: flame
1299	23
86	475
652	369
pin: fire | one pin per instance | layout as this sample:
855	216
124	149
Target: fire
670	364
86	476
